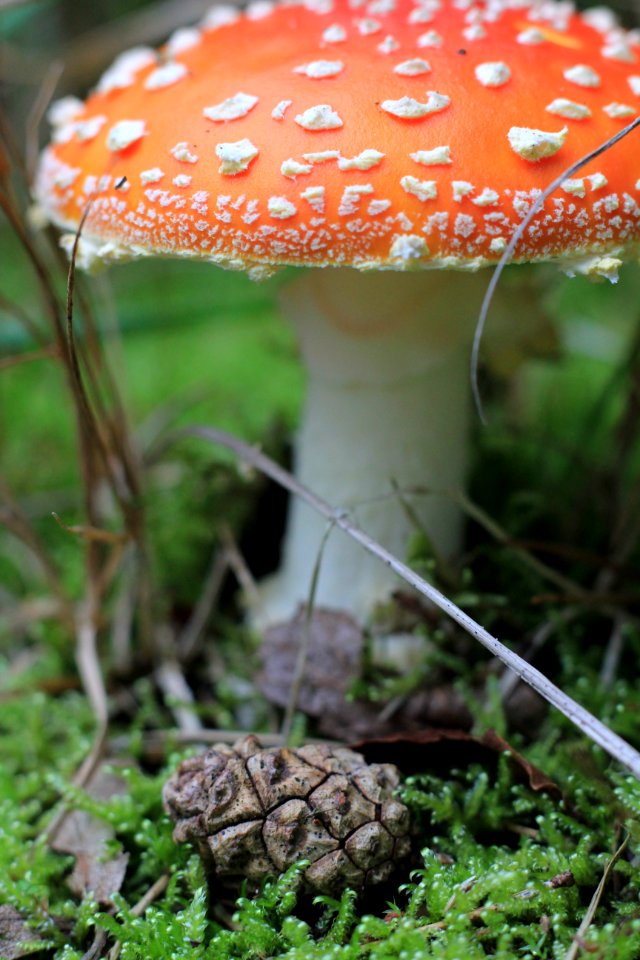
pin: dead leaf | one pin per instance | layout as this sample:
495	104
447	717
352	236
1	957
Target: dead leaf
87	837
535	777
336	643
16	938
334	662
440	751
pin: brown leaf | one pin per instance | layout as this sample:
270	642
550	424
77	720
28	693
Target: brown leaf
439	751
16	938
336	644
535	777
87	838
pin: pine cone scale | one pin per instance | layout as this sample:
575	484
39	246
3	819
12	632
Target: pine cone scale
253	813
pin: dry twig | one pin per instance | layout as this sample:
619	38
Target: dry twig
593	728
189	637
578	940
510	249
19	358
303	650
155	890
172	682
238	565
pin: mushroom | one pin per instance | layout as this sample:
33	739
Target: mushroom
397	145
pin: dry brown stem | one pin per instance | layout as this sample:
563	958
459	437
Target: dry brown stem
189	638
156	890
578	940
173	683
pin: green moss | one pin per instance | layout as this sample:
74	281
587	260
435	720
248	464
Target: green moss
488	881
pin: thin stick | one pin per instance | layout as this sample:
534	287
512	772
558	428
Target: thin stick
152	894
174	686
13	517
97	946
112	537
560	880
155	890
124	610
88	662
572	952
613	653
19	358
238	565
80	779
15	309
500	535
535	208
303	650
37	112
597	731
189	637
509	681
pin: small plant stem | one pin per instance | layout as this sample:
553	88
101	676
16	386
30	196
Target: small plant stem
15	520
155	890
37	112
81	778
303	652
509	681
613	653
152	894
500	535
172	682
19	358
88	664
188	640
577	944
238	565
97	946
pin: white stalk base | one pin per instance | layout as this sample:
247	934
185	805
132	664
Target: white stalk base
385	421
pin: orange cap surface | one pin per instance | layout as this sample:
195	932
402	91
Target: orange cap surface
384	134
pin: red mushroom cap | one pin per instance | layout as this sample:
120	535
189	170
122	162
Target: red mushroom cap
388	134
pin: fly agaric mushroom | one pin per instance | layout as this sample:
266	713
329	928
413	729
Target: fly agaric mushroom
389	142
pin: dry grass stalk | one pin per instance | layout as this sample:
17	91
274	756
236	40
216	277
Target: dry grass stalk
105	454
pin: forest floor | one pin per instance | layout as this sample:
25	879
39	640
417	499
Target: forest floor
124	647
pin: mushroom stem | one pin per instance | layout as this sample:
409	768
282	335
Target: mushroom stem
384	427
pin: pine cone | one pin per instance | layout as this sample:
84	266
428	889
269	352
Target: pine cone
253	813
